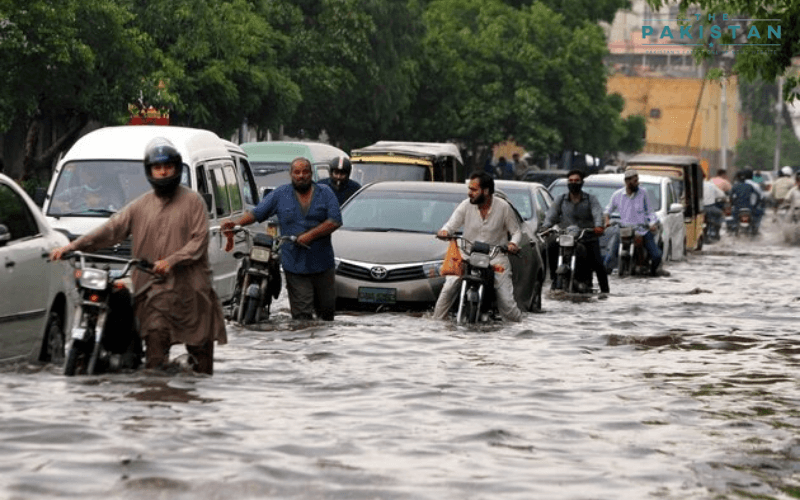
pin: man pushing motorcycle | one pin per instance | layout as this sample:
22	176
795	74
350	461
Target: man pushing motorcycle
577	208
489	220
169	227
635	209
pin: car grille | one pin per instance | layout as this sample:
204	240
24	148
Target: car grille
355	271
122	249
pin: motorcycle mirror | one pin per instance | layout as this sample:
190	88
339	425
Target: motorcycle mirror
238	255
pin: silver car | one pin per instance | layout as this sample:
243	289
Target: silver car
35	303
387	252
531	200
662	193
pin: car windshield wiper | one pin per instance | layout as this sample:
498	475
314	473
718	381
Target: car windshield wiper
100	211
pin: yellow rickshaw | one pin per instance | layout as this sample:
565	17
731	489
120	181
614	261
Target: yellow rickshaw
687	173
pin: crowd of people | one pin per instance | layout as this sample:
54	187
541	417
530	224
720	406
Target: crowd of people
168	226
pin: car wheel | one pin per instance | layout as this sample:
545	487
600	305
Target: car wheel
53	342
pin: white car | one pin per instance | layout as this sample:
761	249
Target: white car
662	193
35	300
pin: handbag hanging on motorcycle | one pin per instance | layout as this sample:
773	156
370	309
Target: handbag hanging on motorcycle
453	264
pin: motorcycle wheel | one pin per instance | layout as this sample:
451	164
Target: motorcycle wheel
250	307
535	305
624	267
71	366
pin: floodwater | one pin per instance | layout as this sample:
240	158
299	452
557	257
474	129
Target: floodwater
681	387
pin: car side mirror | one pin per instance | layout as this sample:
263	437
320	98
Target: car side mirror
39	195
264	192
5	235
208	200
676	208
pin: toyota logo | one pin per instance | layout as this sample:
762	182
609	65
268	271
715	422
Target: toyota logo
378	272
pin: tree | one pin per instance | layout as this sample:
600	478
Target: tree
755	63
758	150
66	62
218	62
356	66
492	72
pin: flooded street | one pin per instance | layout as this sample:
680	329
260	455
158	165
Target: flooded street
681	387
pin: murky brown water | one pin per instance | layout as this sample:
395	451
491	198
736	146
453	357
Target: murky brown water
684	387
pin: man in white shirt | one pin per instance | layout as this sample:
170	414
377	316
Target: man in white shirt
490	220
714	214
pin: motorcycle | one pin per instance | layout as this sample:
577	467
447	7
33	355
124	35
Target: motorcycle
104	335
633	256
712	229
258	280
572	255
743	223
477	296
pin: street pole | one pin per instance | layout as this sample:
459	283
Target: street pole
778	124
723	120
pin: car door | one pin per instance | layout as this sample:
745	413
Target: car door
24	277
677	227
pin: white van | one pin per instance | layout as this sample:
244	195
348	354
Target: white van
110	161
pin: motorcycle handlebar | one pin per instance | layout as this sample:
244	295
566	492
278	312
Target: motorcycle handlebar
494	249
141	264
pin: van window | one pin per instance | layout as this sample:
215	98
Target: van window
220	192
250	189
232	187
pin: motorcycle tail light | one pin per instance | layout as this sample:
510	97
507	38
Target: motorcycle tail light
94	279
94	298
260	254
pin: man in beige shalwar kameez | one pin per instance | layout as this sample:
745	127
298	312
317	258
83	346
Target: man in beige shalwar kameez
169	227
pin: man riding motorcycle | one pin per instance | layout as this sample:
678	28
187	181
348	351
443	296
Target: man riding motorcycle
634	208
489	220
747	194
577	208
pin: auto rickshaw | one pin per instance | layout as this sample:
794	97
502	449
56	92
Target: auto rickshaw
687	173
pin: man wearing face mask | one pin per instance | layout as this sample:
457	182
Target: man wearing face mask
339	181
634	208
576	208
309	211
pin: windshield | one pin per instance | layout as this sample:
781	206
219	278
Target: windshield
364	173
100	188
604	192
521	199
378	210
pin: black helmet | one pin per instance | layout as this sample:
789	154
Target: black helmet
160	150
340	163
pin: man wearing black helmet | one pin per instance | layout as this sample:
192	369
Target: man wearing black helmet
169	227
339	181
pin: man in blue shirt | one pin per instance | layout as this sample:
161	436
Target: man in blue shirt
634	208
339	181
310	212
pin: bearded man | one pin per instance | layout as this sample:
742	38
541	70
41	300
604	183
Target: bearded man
490	220
311	212
169	227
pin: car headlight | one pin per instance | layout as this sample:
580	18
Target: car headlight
94	279
432	268
260	254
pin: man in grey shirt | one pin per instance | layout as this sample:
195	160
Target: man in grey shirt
490	220
576	208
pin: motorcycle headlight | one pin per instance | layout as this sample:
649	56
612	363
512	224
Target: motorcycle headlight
479	260
432	269
94	279
260	254
566	240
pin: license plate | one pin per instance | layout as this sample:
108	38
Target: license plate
78	332
377	295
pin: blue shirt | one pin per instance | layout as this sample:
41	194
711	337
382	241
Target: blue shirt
324	206
633	210
349	189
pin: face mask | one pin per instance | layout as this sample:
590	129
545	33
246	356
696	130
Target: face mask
574	188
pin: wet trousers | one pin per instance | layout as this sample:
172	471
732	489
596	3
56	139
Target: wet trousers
312	292
158	340
504	291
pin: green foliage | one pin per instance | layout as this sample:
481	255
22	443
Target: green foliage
492	72
758	151
576	12
753	64
633	140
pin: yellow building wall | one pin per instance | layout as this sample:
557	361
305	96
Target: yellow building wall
676	98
